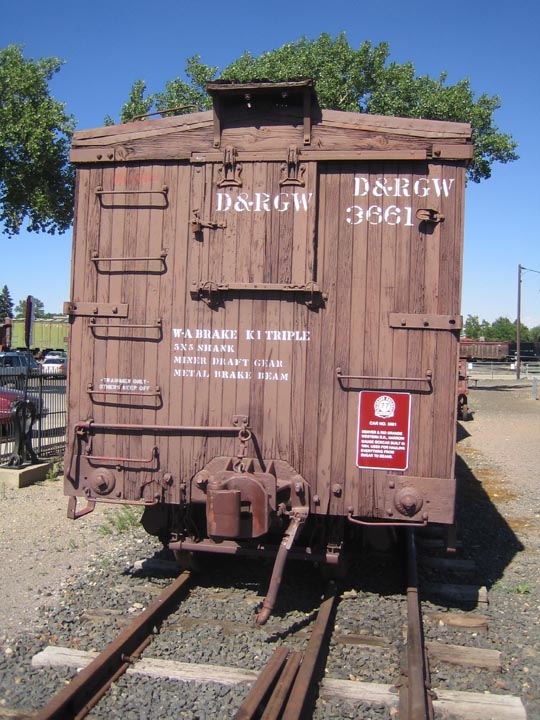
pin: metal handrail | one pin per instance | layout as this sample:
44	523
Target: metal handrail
388	378
100	191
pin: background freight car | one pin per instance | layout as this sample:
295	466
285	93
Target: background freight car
265	323
47	334
478	351
528	351
497	351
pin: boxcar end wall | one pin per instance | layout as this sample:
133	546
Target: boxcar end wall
265	316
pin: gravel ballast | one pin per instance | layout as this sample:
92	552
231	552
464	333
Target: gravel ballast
66	583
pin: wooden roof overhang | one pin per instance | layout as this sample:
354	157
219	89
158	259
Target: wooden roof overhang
267	131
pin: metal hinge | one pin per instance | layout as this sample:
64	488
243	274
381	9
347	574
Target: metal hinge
292	172
231	169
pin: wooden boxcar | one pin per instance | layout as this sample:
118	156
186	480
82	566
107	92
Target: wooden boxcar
265	322
485	350
498	350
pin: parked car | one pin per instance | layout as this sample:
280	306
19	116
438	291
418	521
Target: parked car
54	365
9	396
55	354
15	366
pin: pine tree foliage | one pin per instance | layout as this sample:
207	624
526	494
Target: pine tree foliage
6	304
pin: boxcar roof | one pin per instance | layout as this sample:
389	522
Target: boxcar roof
334	134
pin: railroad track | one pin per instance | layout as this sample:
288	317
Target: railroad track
86	690
284	686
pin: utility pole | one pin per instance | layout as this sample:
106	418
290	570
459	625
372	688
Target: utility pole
518	328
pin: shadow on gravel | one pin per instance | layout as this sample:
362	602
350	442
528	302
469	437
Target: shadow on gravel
462	432
489	388
374	567
485	535
301	588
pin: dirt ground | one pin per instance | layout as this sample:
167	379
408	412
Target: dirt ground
501	444
40	548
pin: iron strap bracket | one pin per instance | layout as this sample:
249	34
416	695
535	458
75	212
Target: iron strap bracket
416	321
211	292
91	309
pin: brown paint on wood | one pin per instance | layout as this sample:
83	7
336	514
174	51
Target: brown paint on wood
373	258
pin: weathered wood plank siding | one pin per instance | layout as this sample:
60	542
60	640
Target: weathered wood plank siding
350	225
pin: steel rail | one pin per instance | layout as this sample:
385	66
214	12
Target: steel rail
308	668
415	699
79	697
266	680
278	699
282	687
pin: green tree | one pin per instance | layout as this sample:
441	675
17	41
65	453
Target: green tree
504	330
36	179
500	330
191	95
136	104
485	330
6	304
180	95
361	80
39	309
535	333
472	327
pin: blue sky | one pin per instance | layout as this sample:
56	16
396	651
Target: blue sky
108	45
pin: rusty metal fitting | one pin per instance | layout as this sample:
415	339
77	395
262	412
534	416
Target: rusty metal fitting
201	478
408	501
102	481
245	434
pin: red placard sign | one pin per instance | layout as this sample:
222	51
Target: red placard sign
383	430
